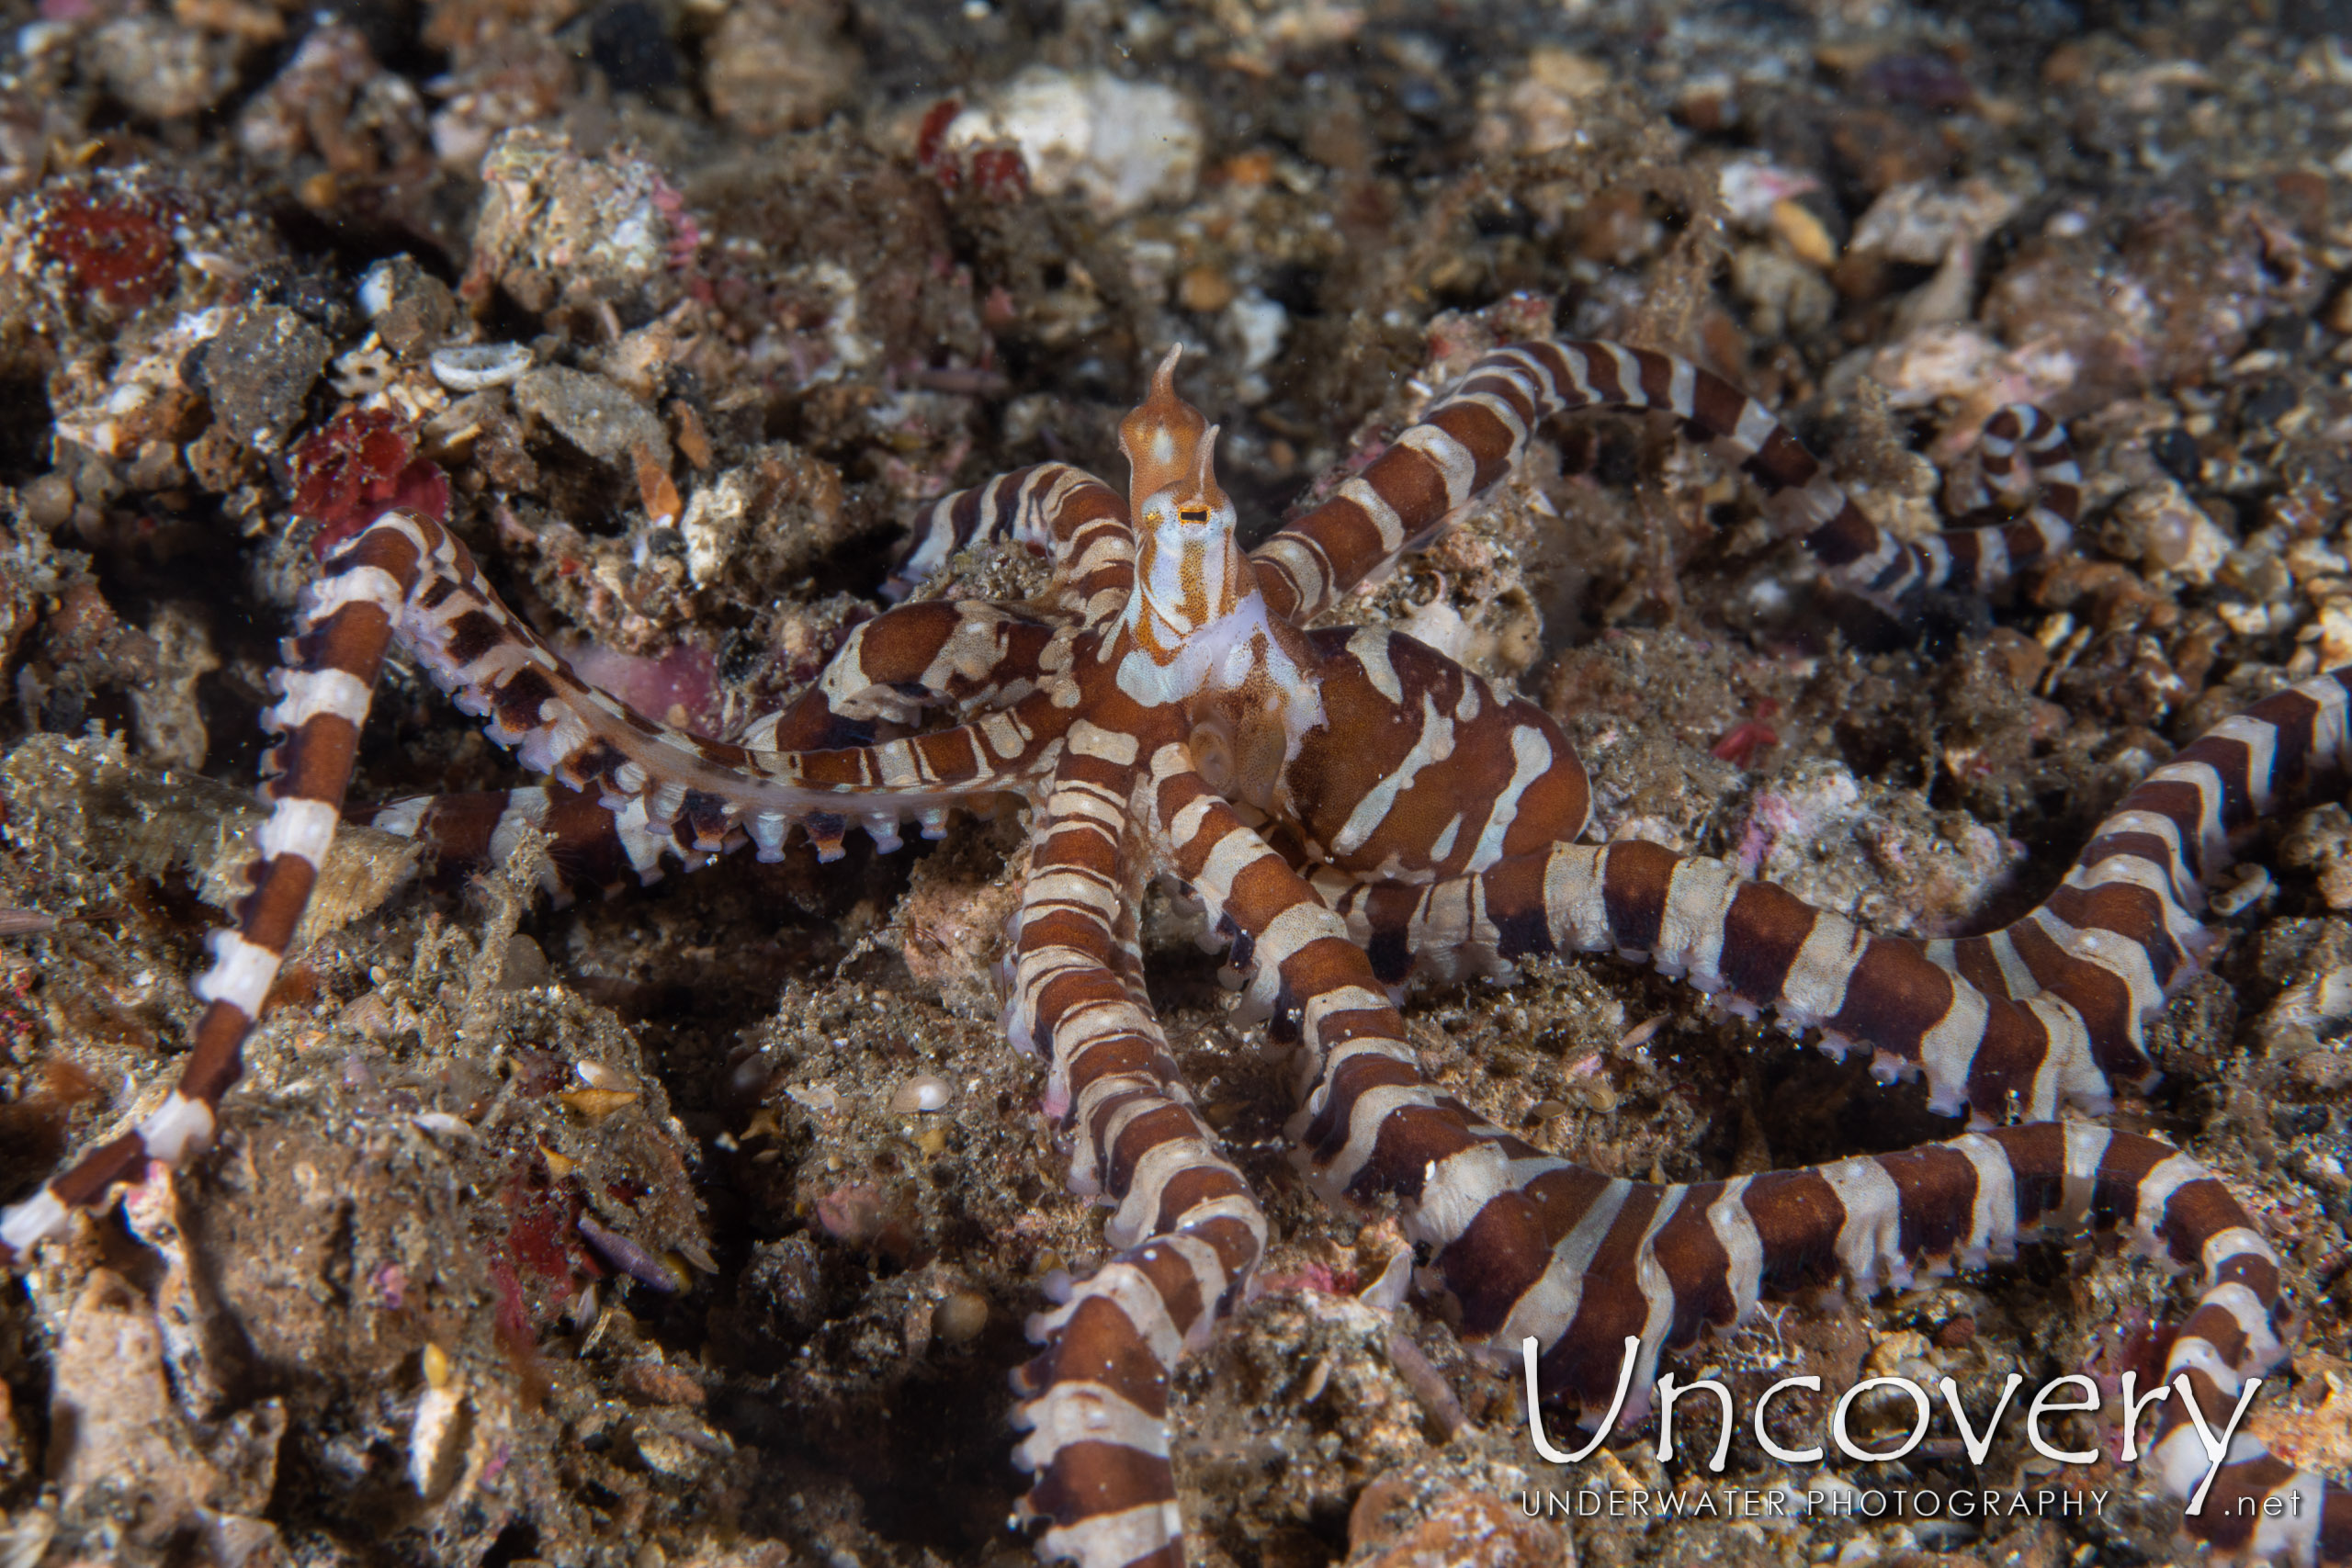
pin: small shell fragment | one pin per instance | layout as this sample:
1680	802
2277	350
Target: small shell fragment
595	1104
438	1431
477	367
632	1259
376	288
922	1092
823	1097
665	1452
1428	1387
1387	1290
2251	887
1643	1033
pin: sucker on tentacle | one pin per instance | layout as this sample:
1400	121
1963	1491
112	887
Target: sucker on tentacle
1346	805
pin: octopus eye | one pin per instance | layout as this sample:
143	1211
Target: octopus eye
1196	515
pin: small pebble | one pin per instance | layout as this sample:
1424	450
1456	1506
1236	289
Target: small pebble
2175	450
853	1214
369	1015
474	367
1205	289
2171	532
671	1456
48	501
438	1430
2250	888
922	1092
525	965
1120	145
822	1098
959	1316
1804	233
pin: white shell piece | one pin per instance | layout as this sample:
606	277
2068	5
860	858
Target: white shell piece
473	367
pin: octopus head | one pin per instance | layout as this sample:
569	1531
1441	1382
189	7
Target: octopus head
1189	568
1171	450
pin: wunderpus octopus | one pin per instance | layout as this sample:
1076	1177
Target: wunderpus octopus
1349	806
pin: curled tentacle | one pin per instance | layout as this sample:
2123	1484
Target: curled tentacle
1052	508
957	654
654	777
1473	435
2123	931
1095	1398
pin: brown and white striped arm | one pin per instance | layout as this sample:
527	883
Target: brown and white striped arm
1533	1246
405	577
1095	1399
1750	946
2122	930
1580	1262
659	781
890	670
345	625
2025	468
1474	434
2024	455
941	653
472	831
2052	1010
1052	509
